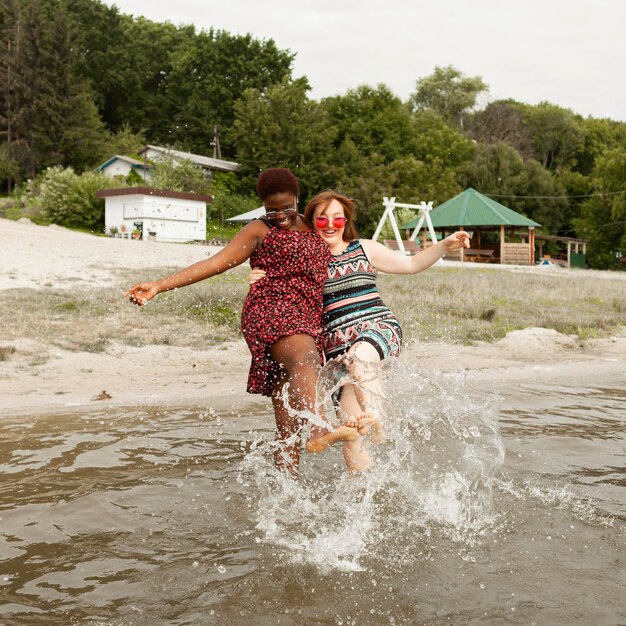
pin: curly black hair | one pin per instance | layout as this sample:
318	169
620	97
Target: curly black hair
277	180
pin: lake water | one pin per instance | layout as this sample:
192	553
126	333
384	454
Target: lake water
480	510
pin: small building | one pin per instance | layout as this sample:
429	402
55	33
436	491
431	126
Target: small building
120	166
145	213
208	164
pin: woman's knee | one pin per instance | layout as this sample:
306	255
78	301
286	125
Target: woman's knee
364	351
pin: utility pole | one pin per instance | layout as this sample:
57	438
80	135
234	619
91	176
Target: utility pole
217	152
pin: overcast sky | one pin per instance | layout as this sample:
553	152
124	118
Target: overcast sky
568	52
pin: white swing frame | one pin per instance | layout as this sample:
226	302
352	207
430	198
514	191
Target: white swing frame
390	205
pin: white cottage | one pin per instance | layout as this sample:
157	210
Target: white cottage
142	212
120	166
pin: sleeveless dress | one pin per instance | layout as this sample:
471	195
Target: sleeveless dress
288	301
353	308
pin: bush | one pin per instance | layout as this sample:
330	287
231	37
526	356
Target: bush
178	175
70	200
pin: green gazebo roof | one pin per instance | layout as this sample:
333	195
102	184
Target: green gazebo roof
471	208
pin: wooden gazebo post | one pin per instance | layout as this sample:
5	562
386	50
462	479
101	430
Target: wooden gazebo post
531	243
502	244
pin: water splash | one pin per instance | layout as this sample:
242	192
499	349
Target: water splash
433	474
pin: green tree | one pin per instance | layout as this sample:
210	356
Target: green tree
556	134
603	216
227	202
128	62
374	120
49	111
598	136
126	142
209	74
9	168
281	127
10	35
103	56
449	93
436	141
179	175
502	121
576	186
69	199
524	186
147	69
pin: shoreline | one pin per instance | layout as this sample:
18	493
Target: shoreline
216	377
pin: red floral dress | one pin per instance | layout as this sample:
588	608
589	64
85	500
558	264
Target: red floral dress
288	301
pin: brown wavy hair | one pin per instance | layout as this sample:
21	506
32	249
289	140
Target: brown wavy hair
323	198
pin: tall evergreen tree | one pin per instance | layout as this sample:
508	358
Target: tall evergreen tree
49	110
10	140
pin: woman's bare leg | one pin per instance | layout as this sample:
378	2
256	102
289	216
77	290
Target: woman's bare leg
355	455
361	403
299	362
289	442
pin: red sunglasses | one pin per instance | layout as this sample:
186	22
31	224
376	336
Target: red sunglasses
324	222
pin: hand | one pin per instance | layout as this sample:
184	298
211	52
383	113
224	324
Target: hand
255	276
142	293
460	239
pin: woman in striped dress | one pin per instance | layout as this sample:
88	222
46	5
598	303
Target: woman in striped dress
356	321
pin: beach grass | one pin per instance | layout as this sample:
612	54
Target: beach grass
465	306
454	305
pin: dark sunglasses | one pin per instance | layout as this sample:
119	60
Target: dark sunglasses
290	210
324	222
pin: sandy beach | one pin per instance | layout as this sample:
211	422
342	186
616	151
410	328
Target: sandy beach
41	258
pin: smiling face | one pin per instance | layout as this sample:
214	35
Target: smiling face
333	229
281	209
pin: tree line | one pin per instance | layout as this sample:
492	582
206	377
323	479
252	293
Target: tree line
80	82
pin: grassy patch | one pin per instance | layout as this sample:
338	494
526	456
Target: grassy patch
464	306
441	304
200	315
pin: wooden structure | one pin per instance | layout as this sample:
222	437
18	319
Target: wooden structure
473	211
576	250
408	247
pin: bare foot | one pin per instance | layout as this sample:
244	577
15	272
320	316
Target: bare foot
342	433
351	422
369	424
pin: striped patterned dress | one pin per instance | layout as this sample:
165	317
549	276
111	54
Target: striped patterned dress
353	308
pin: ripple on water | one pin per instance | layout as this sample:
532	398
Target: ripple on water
177	516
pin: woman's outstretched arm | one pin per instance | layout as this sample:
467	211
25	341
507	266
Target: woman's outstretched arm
235	253
387	260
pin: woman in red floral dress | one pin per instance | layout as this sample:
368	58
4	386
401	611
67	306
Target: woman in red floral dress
281	318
